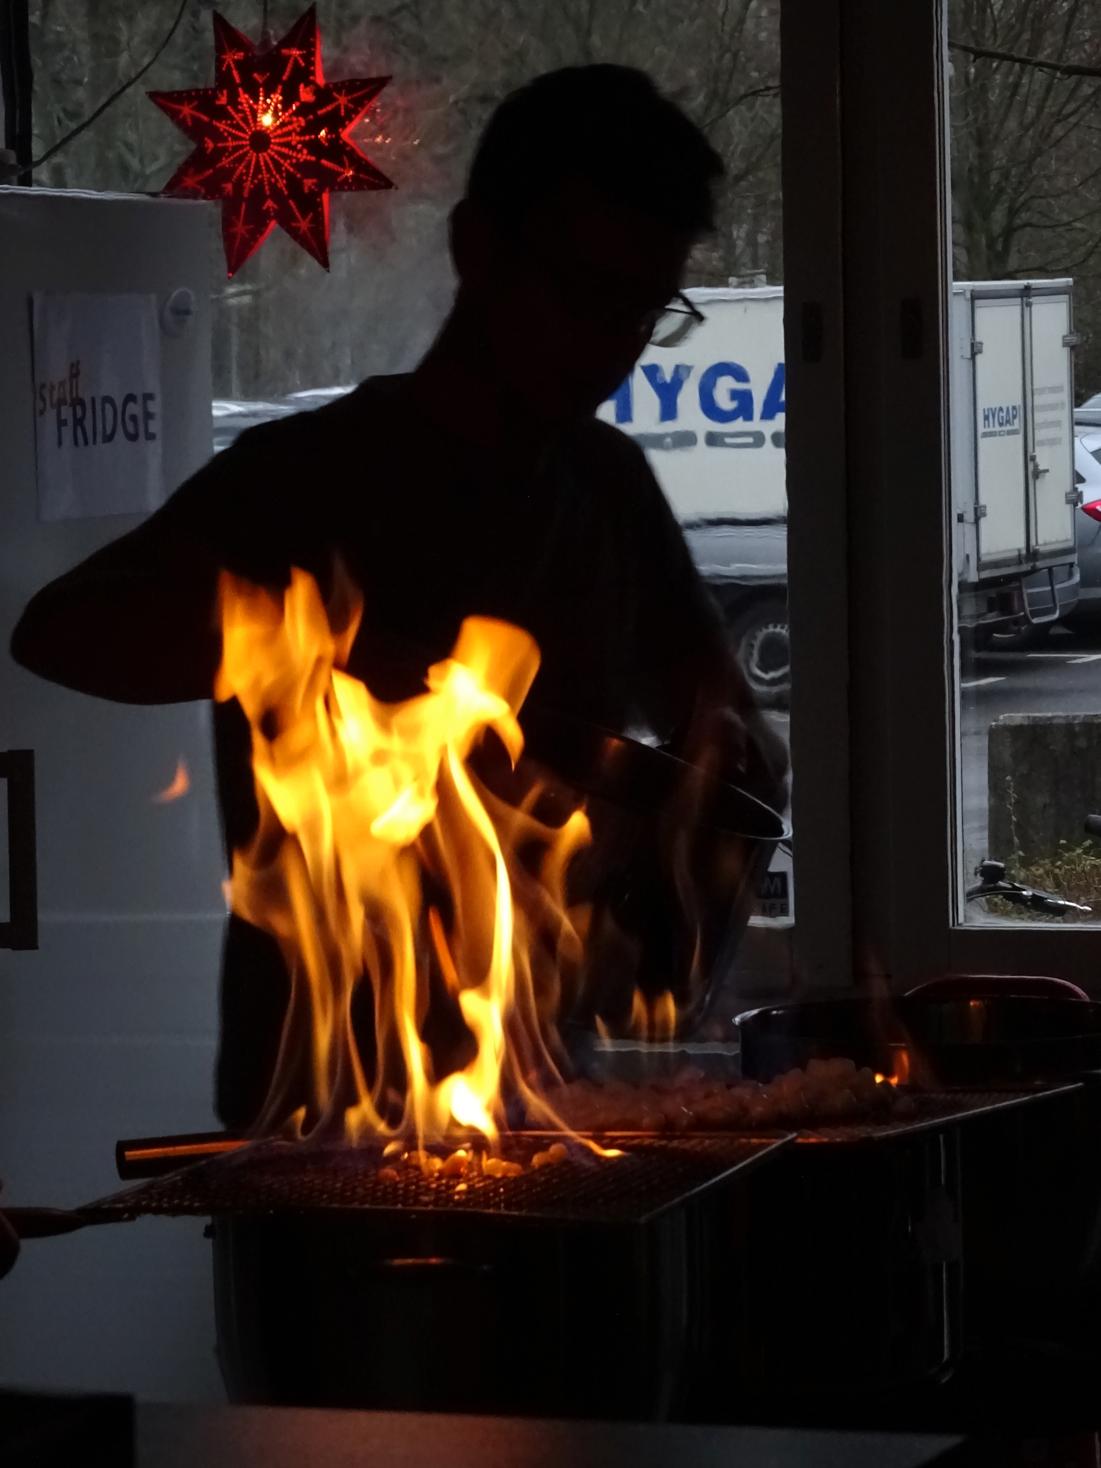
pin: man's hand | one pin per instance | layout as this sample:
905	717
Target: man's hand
9	1246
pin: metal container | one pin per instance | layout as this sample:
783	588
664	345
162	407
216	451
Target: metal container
671	875
982	1040
1030	1209
843	1282
581	1289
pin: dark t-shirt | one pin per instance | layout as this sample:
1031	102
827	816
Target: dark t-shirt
580	549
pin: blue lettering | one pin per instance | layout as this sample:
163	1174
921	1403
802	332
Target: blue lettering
1006	416
667	389
741	399
623	397
774	403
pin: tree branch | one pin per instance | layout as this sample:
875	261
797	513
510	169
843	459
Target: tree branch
1059	68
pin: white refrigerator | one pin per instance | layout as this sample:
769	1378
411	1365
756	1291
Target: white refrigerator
108	976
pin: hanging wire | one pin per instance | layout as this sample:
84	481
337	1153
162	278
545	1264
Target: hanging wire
117	93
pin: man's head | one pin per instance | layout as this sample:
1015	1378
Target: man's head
586	193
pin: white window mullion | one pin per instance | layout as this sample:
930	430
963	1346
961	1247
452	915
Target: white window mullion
903	691
817	538
896	286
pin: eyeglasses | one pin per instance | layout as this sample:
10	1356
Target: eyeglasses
669	326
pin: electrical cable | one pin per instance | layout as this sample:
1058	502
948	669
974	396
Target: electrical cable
16	87
115	95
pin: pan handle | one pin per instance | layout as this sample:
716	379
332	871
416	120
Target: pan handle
430	1264
21	929
996	986
47	1223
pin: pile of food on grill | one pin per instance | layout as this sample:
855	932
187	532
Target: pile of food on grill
825	1092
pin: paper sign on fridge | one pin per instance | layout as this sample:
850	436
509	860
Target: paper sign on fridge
97	404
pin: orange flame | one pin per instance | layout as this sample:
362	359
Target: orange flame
380	859
176	788
654	1017
901	1076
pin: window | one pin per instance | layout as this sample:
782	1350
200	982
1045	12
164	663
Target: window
1026	212
916	804
289	336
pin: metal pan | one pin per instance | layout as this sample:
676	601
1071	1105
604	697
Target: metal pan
953	1041
671	875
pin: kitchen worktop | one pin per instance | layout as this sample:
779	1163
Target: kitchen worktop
41	1431
36	1431
244	1437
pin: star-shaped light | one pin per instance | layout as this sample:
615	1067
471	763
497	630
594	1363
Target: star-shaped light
272	139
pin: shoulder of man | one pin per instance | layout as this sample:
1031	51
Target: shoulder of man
619	469
266	501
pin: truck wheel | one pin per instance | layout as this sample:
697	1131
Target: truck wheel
759	639
1020	639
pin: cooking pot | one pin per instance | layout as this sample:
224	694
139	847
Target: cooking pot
670	877
1029	1206
945	1033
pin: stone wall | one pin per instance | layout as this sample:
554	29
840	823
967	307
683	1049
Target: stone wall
1043	779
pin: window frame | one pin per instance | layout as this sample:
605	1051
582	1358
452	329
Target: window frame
904	807
815	442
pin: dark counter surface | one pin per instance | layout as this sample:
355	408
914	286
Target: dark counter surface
261	1437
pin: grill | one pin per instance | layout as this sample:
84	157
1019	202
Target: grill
654	1174
931	1110
657	1172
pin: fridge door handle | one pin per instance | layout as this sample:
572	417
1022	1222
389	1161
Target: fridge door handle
21	929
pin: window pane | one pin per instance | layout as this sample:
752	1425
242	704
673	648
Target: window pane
290	336
1026	180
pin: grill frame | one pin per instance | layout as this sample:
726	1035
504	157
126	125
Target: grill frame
656	1175
659	1172
934	1111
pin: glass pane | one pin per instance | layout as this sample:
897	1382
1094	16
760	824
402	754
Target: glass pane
1026	183
708	409
289	336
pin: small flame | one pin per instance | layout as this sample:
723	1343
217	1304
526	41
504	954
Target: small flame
901	1076
176	788
653	1017
381	860
267	118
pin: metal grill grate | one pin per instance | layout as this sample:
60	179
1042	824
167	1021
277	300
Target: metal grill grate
922	1111
655	1173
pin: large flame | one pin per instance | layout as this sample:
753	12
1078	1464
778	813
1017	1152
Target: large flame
389	873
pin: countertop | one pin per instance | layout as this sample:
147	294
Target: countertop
257	1437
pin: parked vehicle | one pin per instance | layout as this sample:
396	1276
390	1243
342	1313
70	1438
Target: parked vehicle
1087	476
709	410
231	416
711	416
1013	458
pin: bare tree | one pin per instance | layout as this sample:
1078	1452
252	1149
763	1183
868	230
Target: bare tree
283	323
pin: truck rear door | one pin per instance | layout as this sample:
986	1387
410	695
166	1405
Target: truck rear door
1024	444
1001	453
1051	424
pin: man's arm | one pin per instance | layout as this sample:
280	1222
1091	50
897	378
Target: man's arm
137	621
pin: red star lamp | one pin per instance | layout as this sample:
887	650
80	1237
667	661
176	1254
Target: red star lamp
272	140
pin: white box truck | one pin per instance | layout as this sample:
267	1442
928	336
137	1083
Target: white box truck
710	413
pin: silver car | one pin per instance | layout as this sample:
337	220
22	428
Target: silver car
1087	476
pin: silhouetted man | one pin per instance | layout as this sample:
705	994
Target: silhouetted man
479	483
